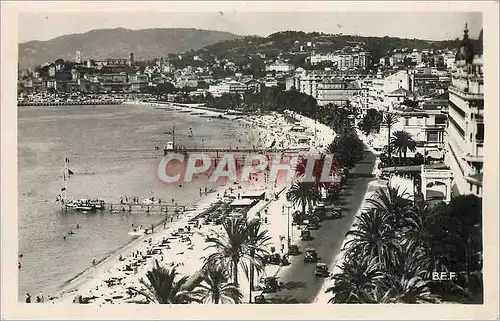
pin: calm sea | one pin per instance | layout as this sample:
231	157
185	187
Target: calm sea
112	154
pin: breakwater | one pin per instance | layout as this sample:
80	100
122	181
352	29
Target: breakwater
72	103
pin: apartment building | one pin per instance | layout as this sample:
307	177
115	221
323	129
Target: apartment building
336	91
465	132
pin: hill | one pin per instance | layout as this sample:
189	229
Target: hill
119	42
292	41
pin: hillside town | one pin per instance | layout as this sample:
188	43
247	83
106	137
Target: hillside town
407	119
431	90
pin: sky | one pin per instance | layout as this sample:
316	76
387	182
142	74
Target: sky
420	25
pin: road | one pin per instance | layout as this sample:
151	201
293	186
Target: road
300	283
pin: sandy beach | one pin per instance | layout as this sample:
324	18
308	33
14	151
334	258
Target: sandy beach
181	244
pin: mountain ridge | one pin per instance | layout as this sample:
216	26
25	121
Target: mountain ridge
119	42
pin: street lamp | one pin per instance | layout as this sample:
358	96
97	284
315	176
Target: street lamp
288	207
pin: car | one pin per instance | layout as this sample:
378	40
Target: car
313	225
259	299
310	255
321	270
270	284
305	235
337	212
293	249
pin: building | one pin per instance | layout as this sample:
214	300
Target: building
336	91
78	57
316	59
281	67
465	132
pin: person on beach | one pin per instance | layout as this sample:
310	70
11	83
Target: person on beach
200	192
152	228
93	261
19	265
206	191
164	224
28	298
77	225
39	297
64	237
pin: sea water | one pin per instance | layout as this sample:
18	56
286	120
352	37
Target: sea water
114	152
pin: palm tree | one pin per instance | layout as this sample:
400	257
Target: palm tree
389	120
395	203
258	240
373	237
408	290
162	287
233	247
402	142
215	287
357	281
303	194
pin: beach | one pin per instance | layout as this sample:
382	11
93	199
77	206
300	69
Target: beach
112	153
184	249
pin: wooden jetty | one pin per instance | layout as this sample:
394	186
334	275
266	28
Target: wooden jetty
130	207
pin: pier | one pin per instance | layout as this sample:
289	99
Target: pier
131	207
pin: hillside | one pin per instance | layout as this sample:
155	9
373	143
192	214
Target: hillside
291	41
119	42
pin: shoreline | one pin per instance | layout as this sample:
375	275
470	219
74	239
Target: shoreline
86	280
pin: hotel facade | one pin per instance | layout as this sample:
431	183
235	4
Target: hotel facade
465	131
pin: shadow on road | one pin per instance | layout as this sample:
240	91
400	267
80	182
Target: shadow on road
285	300
293	285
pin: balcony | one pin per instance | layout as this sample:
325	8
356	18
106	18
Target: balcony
465	95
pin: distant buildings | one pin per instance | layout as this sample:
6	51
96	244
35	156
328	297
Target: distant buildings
360	59
280	67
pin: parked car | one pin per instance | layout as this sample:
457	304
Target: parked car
270	284
337	212
259	299
313	225
293	250
305	235
272	259
321	270
310	255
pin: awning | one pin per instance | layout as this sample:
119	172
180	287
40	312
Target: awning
475	179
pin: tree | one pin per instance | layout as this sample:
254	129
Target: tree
257	241
162	287
395	203
374	237
389	121
303	194
347	150
356	282
233	248
165	89
216	288
402	141
371	121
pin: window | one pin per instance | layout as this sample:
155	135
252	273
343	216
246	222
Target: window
432	137
407	121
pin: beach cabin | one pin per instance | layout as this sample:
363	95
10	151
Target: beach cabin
254	195
243	203
298	129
